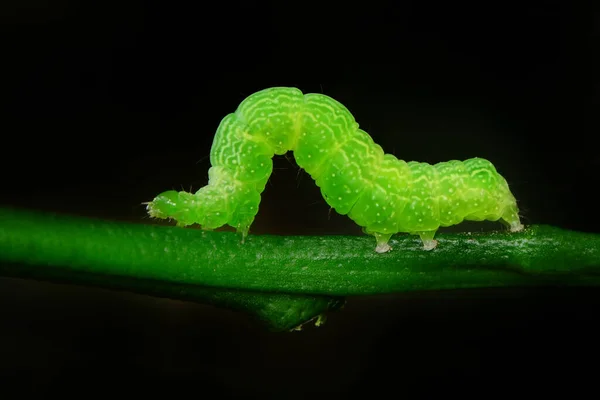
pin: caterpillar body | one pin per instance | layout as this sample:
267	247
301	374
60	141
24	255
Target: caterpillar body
379	192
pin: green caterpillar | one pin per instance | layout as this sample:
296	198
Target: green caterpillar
382	194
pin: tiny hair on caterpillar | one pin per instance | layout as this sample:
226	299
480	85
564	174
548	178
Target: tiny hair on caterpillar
380	193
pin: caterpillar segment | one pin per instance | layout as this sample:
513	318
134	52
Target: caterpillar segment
379	192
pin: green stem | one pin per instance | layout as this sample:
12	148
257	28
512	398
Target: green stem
278	311
178	262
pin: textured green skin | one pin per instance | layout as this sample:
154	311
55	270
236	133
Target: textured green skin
382	194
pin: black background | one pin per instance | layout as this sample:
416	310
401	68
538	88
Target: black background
104	106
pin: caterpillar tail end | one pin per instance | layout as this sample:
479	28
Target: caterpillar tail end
516	227
511	219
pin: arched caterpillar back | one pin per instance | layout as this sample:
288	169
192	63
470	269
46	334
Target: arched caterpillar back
382	194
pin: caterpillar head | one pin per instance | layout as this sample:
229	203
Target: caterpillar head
171	204
187	208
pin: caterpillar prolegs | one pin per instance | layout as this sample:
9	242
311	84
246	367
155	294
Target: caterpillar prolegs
379	192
